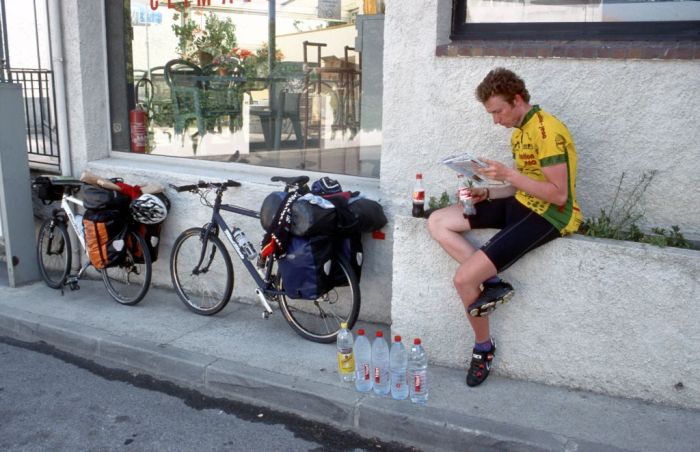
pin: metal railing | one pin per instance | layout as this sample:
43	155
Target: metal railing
40	115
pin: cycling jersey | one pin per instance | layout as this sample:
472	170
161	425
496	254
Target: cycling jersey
540	141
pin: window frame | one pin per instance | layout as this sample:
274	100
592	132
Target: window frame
607	31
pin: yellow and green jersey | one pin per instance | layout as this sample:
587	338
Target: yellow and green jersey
540	141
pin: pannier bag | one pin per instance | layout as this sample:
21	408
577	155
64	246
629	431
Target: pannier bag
350	247
101	199
306	267
105	231
46	191
151	234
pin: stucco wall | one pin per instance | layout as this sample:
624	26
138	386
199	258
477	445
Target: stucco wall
625	116
607	316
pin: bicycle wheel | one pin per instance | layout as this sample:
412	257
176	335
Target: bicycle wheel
319	320
53	252
129	281
202	277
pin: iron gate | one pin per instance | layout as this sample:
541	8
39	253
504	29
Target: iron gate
38	92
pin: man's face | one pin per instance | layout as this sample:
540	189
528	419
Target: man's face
502	112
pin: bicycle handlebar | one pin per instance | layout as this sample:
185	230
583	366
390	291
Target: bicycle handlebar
203	184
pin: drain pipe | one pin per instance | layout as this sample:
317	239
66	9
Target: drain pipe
53	12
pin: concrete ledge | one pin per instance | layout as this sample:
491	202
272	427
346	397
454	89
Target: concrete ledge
593	314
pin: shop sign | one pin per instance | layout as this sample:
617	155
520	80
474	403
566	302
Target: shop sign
141	16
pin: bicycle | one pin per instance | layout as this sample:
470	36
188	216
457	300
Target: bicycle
127	281
198	253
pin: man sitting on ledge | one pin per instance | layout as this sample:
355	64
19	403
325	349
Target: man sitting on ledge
537	205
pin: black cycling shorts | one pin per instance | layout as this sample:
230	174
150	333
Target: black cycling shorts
521	230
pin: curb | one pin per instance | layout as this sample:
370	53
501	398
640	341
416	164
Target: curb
423	427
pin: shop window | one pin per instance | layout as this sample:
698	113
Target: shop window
615	20
203	74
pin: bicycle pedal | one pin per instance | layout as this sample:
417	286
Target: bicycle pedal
75	286
265	315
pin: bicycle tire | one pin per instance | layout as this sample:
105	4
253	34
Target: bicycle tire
203	293
319	320
129	281
54	262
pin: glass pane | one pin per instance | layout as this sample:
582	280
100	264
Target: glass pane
516	11
204	78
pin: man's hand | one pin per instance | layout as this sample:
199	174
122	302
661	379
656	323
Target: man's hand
479	194
495	171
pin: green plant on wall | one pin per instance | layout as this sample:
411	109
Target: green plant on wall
620	220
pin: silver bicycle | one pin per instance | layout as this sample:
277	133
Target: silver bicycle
127	281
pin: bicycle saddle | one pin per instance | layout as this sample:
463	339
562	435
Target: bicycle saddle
298	180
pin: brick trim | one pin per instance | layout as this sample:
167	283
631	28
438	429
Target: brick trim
616	50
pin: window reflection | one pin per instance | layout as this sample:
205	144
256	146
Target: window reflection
203	75
514	11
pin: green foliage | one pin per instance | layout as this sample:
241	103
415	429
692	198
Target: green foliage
619	221
444	201
218	36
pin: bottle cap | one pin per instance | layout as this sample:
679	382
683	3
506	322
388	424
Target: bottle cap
397	338
344	325
419	176
361	332
416	341
380	334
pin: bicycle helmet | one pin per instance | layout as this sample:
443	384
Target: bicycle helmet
148	209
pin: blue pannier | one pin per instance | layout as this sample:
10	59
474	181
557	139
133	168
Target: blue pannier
306	267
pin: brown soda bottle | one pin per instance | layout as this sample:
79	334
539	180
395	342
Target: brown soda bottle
418	197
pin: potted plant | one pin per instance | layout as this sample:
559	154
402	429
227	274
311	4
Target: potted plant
201	44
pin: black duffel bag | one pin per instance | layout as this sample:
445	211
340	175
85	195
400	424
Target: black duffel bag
370	214
102	199
307	218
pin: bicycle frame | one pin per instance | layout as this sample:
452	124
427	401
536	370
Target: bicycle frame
77	227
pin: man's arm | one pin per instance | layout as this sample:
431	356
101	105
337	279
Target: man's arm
554	190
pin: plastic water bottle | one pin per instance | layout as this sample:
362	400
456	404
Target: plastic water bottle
363	362
418	373
398	362
380	365
418	197
346	358
244	244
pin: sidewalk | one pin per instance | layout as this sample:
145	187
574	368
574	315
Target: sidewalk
239	355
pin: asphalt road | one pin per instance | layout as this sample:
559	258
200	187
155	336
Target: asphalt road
50	400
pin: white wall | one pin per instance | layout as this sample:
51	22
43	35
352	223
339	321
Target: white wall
625	116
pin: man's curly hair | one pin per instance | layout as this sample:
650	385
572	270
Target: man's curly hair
502	82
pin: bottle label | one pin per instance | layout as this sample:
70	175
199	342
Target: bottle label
377	376
417	382
365	371
419	196
346	362
465	193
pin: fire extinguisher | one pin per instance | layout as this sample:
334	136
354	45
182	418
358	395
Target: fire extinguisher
138	125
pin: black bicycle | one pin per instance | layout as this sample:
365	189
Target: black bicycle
202	273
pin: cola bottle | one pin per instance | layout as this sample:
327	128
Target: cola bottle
418	197
464	191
